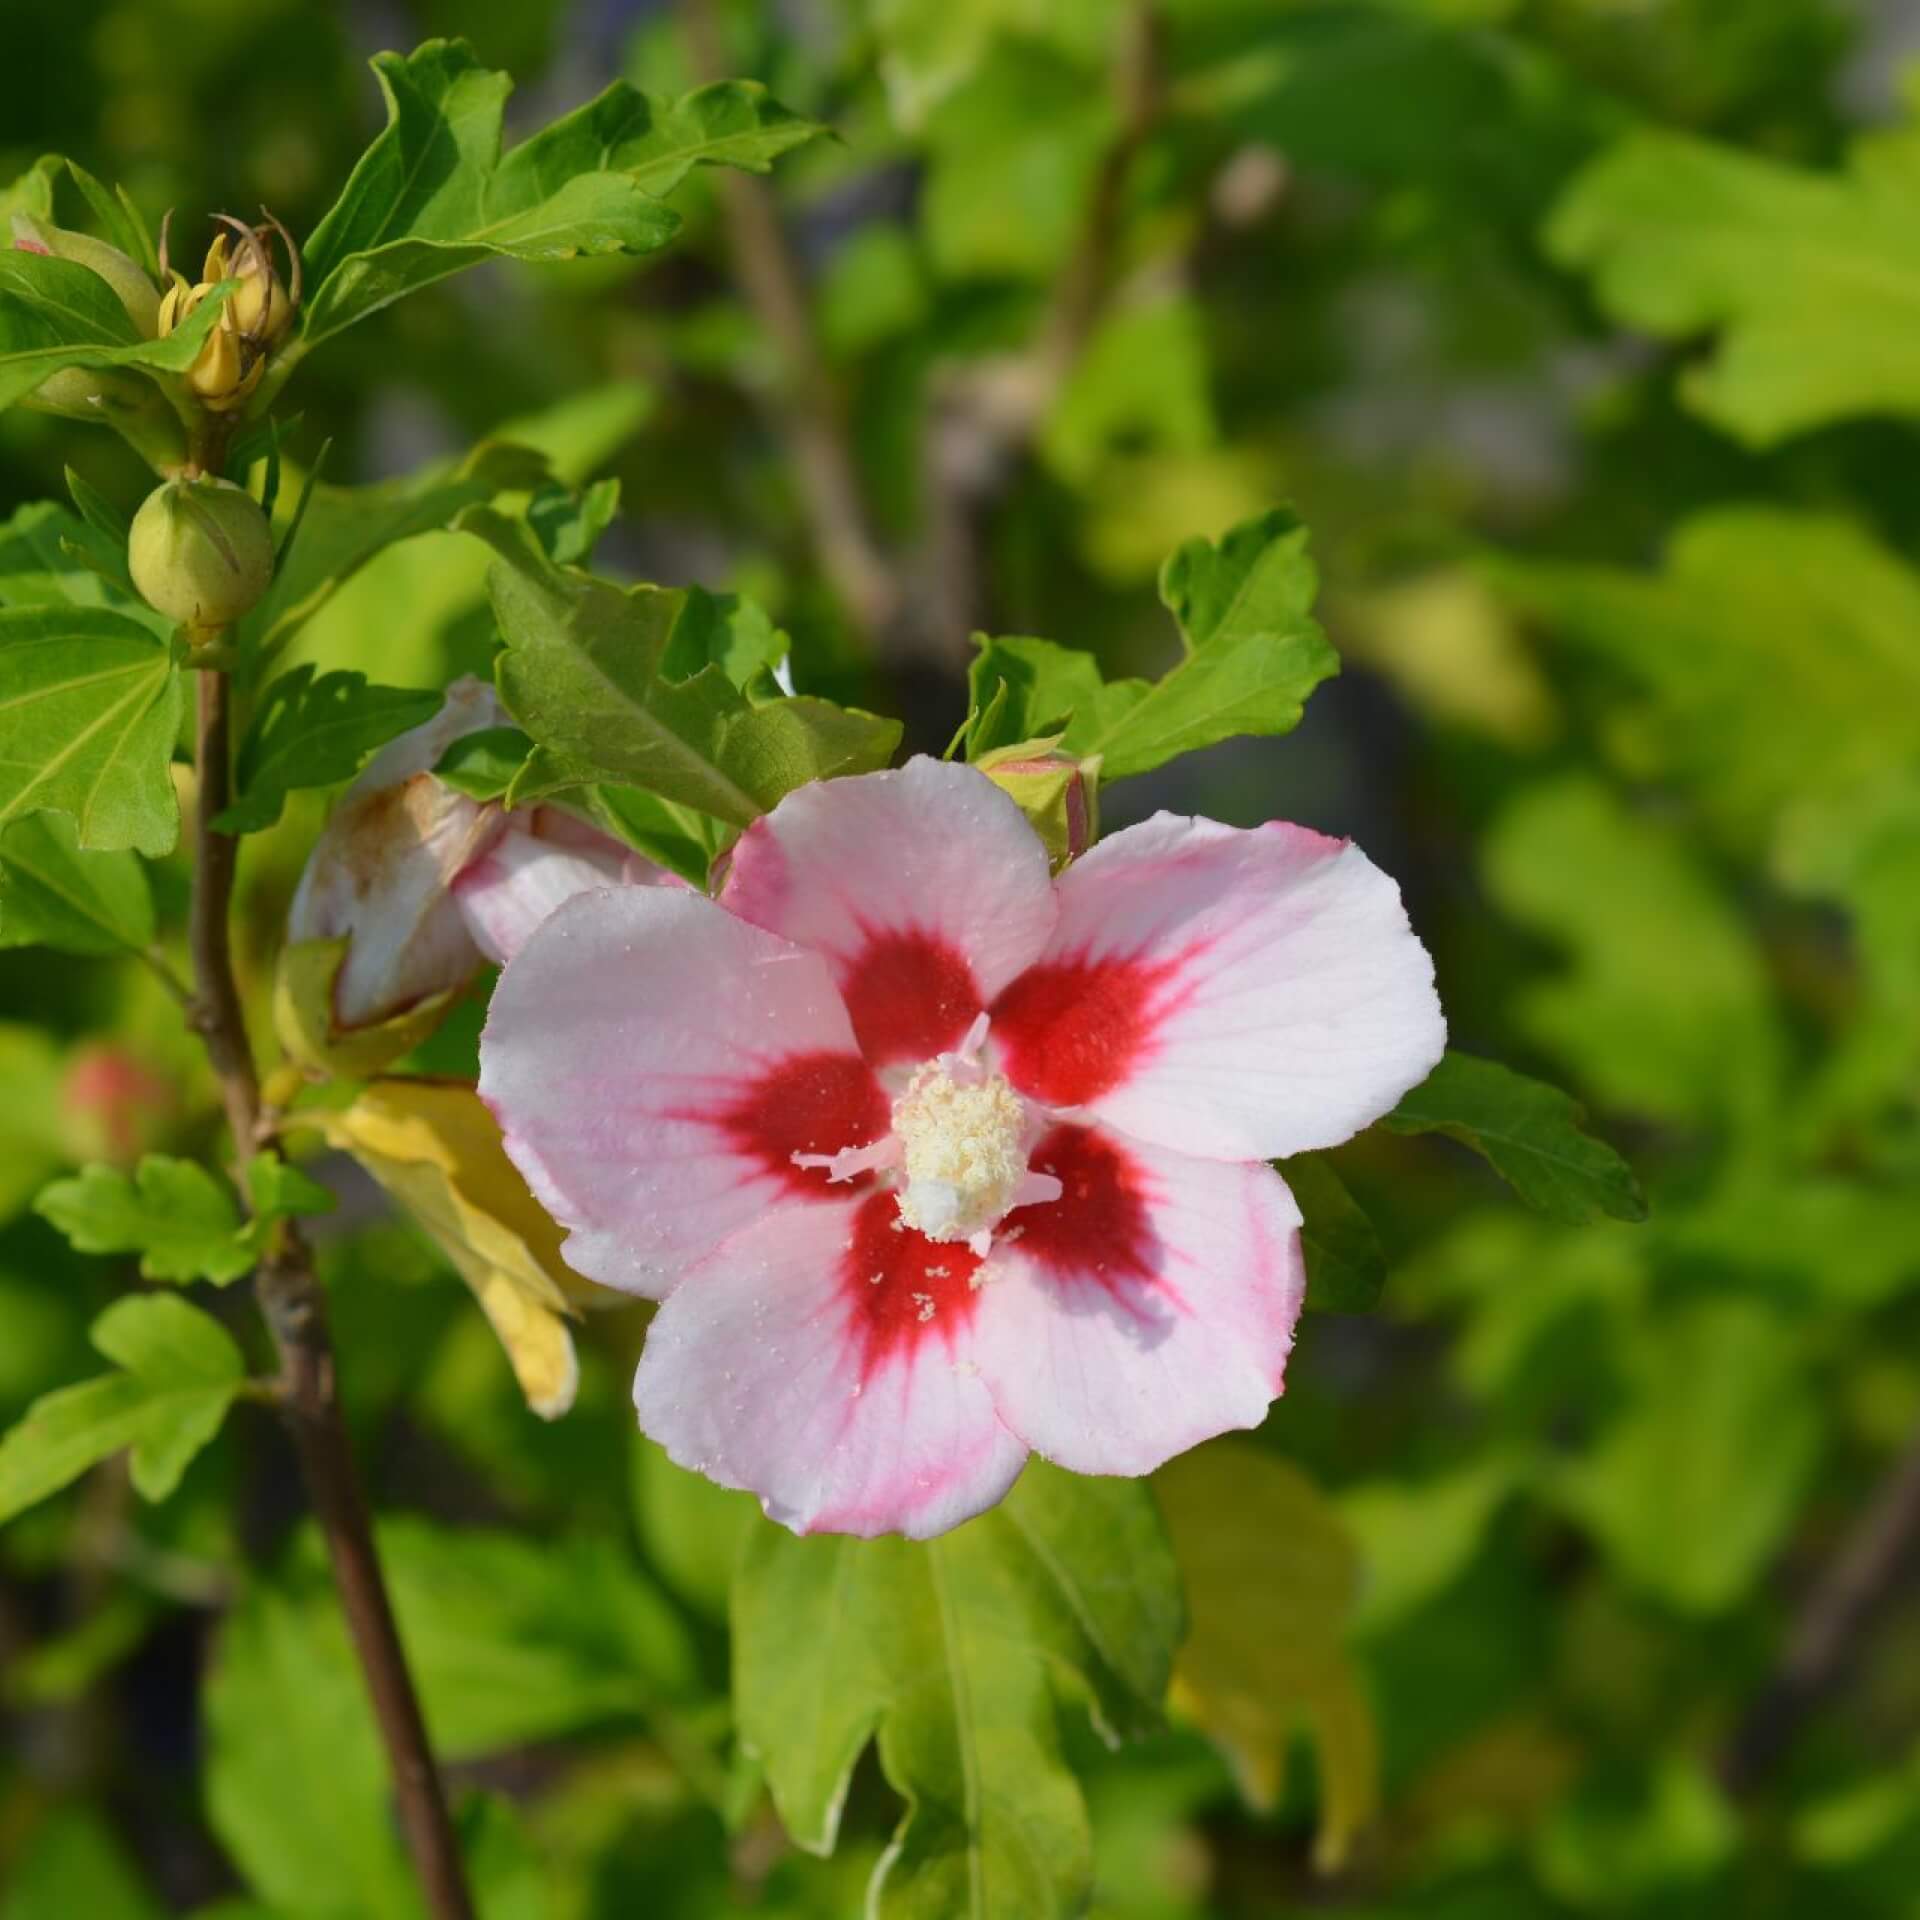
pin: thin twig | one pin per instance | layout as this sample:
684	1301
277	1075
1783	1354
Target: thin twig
810	403
1831	1626
295	1309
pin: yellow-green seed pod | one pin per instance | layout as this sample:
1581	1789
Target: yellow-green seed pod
200	551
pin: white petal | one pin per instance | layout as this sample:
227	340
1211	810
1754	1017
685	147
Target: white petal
1149	1308
1238	994
925	888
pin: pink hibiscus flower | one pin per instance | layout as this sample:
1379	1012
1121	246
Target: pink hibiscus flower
936	1160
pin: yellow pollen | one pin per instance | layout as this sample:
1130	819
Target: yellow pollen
962	1152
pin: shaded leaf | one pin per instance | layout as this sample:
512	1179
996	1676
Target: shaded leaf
948	1650
53	895
179	1218
312	732
1346	1265
89	709
1529	1133
588	673
1271	1579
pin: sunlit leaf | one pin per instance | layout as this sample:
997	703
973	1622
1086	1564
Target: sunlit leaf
1812	278
947	1650
179	1373
180	1219
89	708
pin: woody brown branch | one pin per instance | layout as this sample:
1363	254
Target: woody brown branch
295	1310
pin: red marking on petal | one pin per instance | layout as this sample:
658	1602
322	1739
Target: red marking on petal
910	996
812	1103
1099	1228
902	1287
1070	1030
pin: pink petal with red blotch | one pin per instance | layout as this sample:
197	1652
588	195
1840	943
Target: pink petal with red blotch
380	872
822	1361
655	1063
539	863
1147	1309
925	888
1236	994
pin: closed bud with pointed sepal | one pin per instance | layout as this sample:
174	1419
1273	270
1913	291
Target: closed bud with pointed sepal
201	551
128	280
1056	791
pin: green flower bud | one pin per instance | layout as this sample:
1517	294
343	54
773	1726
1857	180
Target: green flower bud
1056	791
200	551
130	284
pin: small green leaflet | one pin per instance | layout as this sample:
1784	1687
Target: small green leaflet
951	1650
1813	278
588	672
1253	653
434	193
53	895
1346	1267
1529	1133
179	1218
89	711
56	313
279	1191
180	1372
312	731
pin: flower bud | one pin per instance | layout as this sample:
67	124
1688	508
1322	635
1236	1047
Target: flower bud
113	1107
412	887
201	551
1058	792
129	282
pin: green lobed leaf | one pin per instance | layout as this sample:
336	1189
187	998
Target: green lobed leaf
434	193
51	557
54	895
180	1372
1346	1265
1696	1482
312	731
179	1218
951	1651
1813	279
89	711
588	671
343	528
55	314
1247	1524
1253	655
1529	1133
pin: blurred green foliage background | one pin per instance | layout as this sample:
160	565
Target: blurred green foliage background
1585	335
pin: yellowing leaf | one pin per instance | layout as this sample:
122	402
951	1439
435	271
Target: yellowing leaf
1271	1578
436	1149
